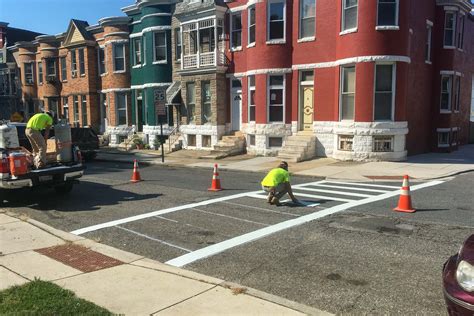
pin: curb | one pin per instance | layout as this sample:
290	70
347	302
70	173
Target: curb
146	263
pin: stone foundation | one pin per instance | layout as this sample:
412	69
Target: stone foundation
151	132
262	132
216	132
117	133
363	133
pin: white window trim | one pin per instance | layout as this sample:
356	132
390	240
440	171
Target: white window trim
117	109
395	27
268	98
348	31
429	28
236	48
165	61
124	58
277	40
394	86
144	50
351	30
453	46
30	64
249	88
251	44
341	86
300	20
442	131
457	93
449	110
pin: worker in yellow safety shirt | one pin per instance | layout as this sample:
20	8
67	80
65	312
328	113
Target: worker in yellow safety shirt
277	184
37	123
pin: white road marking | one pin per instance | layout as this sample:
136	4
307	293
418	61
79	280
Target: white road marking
261	208
336	192
365	184
155	213
167	219
350	188
231	217
154	239
322	197
263	232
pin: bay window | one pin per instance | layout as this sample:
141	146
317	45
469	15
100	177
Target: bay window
446	87
307	18
252	23
384	92
387	13
236	30
449	29
276	20
137	51
160	48
276	98
349	14
251	84
347	96
121	108
119	57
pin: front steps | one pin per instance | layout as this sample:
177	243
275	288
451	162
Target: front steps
299	147
229	145
173	143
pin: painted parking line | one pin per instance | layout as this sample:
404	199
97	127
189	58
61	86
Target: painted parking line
152	238
263	232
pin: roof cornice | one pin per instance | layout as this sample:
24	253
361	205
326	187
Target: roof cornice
115	20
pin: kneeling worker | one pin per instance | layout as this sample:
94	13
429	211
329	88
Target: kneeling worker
277	183
37	123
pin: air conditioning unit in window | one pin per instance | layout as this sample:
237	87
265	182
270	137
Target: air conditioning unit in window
51	78
74	73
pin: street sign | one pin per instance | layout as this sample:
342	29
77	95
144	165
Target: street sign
160	101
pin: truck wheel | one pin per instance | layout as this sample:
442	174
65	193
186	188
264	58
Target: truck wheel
64	188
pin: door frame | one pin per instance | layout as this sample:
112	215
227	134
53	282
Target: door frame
301	85
233	93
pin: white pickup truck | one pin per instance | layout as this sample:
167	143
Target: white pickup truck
61	177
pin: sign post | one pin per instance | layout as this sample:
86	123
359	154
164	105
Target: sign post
160	103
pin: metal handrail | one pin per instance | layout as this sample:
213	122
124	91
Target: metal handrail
170	140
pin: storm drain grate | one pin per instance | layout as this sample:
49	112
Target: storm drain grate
79	257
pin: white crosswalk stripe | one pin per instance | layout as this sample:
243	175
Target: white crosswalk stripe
352	188
335	192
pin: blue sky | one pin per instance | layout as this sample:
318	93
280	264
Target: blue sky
53	16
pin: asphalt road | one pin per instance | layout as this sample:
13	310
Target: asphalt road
344	252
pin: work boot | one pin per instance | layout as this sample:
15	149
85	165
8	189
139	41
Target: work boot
275	201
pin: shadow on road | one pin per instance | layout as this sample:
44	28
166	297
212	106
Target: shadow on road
87	196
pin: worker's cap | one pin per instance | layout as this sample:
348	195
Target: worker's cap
283	164
50	113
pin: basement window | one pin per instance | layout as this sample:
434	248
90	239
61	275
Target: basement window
275	141
251	139
383	143
443	139
206	141
345	142
192	140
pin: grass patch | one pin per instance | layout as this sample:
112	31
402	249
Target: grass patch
45	298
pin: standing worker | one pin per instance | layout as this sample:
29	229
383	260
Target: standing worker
277	183
37	123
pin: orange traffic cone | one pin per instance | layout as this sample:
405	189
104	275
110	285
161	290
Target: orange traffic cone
404	203
136	174
216	183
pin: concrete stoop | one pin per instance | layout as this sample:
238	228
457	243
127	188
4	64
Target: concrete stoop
298	148
229	145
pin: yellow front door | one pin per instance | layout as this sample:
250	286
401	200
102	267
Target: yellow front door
308	108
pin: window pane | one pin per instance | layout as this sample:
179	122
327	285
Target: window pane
277	30
160	39
206	92
387	13
276	96
236	83
252	15
350	18
349	79
276	11
190	96
252	81
307	27
449	20
236	39
236	22
206	113
444	101
383	106
383	78
276	80
347	107
252	113
307	76
252	34
160	53
350	3
252	97
276	113
308	8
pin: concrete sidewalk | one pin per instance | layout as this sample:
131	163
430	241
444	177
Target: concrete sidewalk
122	282
421	167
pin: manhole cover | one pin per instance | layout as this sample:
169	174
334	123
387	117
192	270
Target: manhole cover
79	257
